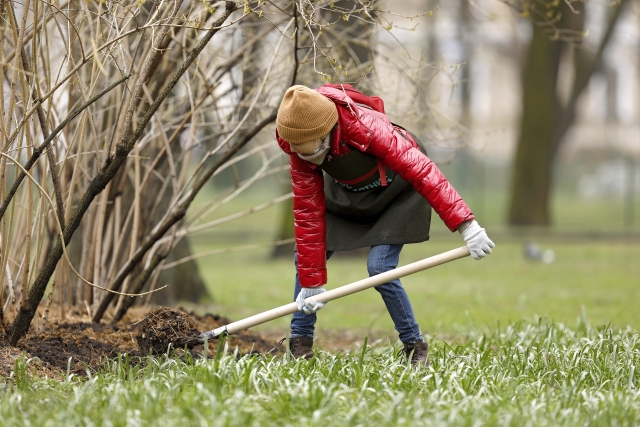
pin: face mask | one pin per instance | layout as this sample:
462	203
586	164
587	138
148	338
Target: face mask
321	151
318	146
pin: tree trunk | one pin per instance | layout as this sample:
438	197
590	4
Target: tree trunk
532	167
545	121
184	280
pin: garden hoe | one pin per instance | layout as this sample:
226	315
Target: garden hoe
336	293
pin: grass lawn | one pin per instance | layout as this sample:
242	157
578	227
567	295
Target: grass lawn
513	343
522	374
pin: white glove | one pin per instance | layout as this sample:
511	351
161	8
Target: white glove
476	238
312	305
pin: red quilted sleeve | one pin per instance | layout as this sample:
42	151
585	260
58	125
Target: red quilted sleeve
411	164
309	219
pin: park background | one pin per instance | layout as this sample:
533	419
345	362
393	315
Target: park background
469	62
139	138
174	189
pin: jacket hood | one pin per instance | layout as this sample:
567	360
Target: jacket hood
337	96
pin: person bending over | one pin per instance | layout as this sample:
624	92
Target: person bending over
360	181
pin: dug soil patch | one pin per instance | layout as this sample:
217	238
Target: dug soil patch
80	346
9	355
77	345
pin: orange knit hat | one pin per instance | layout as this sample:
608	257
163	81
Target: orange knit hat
305	115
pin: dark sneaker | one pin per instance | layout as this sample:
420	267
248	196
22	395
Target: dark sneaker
298	346
417	352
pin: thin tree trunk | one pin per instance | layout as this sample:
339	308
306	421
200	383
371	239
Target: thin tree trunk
545	121
531	177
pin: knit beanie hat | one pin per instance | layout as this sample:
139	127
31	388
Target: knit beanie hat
305	115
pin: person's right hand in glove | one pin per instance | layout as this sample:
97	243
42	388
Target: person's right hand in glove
312	305
476	238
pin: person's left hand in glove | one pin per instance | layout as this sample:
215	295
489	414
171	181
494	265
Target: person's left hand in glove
312	305
476	239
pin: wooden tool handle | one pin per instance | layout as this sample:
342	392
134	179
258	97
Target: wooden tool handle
340	292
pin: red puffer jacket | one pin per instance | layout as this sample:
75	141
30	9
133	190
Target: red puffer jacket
371	132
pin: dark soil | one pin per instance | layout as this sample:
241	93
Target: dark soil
164	327
9	355
79	345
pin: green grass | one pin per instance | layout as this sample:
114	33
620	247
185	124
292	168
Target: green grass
525	373
513	342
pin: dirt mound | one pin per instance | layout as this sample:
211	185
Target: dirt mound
88	344
166	326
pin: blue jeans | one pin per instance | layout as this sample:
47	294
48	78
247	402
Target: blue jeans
381	258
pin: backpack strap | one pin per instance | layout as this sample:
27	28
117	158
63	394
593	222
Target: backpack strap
358	97
383	173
